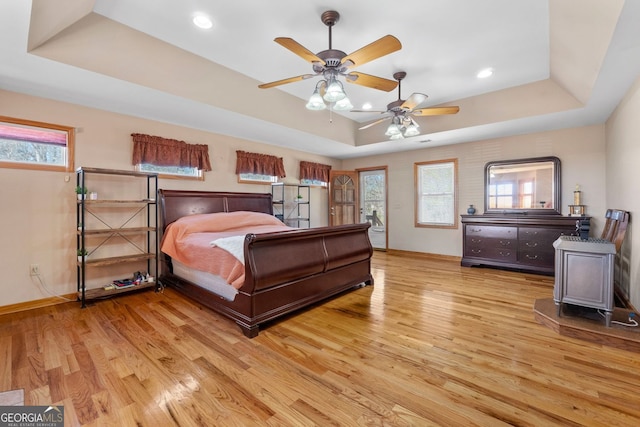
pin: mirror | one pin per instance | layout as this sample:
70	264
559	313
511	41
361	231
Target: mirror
524	186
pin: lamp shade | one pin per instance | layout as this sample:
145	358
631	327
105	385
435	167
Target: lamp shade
393	129
343	105
315	102
335	92
411	130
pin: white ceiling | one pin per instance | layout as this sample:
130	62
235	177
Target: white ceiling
558	63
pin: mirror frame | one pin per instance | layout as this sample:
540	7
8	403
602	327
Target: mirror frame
557	188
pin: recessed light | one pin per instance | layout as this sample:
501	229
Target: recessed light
202	21
483	74
367	106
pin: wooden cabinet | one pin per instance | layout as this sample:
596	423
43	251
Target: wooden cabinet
523	242
125	222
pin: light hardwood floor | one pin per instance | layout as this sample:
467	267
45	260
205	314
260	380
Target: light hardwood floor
431	343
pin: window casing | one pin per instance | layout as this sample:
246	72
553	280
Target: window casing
27	144
175	172
256	178
314	183
436	199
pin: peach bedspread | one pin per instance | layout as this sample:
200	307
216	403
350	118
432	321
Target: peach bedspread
188	240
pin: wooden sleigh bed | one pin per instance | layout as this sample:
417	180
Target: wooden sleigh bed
283	271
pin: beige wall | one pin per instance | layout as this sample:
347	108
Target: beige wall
623	177
581	152
38	208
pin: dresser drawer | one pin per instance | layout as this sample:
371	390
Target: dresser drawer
531	237
538	258
499	253
489	231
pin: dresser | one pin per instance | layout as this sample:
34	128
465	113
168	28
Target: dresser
522	242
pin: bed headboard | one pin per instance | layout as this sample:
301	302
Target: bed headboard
175	204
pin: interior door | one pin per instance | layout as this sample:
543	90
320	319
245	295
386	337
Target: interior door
343	197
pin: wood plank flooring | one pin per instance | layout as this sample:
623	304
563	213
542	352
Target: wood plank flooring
431	344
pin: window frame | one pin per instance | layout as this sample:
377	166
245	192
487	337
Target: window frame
70	146
241	180
494	196
312	183
162	175
418	194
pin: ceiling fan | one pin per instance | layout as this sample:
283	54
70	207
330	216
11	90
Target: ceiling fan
401	113
332	63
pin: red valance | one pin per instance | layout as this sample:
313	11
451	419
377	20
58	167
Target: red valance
314	171
262	164
155	150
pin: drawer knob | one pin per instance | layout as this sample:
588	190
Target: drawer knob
532	257
505	254
505	242
532	244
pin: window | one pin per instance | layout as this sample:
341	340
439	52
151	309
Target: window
436	198
501	195
314	182
249	178
172	171
26	144
256	168
170	158
526	194
314	174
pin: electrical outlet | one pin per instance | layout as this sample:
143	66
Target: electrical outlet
34	270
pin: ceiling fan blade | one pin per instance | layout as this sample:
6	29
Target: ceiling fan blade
435	111
298	49
285	81
374	82
381	47
373	123
413	101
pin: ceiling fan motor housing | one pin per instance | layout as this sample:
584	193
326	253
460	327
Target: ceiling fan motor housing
332	59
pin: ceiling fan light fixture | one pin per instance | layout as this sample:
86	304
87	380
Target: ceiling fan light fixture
411	130
397	136
316	102
393	130
343	105
335	91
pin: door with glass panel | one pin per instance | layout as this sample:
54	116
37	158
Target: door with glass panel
373	205
343	197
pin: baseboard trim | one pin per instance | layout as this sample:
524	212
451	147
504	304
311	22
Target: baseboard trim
30	305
